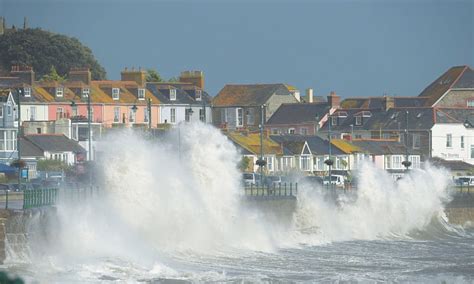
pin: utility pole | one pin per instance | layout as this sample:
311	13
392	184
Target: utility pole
261	162
149	113
89	118
329	161
406	163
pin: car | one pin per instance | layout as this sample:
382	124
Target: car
250	179
464	181
312	180
337	180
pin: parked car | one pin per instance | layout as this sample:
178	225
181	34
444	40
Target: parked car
337	180
6	187
250	179
464	181
312	180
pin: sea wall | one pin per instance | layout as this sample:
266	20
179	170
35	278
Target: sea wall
460	210
17	228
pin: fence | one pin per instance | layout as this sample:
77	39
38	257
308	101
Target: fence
39	197
274	190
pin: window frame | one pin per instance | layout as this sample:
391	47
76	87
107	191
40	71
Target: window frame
59	91
173	115
239	118
449	140
27	92
172	94
141	94
116	94
117	114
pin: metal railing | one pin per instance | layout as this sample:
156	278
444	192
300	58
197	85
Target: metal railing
274	190
39	197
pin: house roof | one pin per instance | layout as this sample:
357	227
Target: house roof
455	77
377	119
346	146
377	102
248	95
454	115
452	165
185	93
28	149
383	147
54	143
251	143
299	113
295	144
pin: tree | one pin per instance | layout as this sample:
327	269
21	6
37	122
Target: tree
244	164
42	49
153	76
53	76
173	80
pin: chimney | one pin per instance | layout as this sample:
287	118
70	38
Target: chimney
80	75
334	100
388	103
194	77
296	94
24	73
309	95
138	76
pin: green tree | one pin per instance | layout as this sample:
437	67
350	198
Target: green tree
53	76
173	80
153	76
244	164
42	49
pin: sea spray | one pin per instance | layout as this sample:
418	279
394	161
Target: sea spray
381	208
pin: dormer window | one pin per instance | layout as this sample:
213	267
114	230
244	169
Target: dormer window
198	95
115	93
470	103
173	94
358	120
86	92
334	120
27	92
59	92
141	94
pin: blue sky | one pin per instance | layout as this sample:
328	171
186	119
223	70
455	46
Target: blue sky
356	48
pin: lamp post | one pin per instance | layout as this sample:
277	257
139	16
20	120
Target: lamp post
261	162
149	112
329	161
134	111
406	163
19	92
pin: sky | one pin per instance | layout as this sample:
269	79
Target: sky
355	48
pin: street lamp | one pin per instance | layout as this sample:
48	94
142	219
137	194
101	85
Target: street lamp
261	162
406	163
329	162
19	92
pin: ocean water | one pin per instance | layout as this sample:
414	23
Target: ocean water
173	211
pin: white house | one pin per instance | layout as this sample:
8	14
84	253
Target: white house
453	141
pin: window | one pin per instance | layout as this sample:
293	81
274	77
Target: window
291	131
462	142
38	130
472	151
269	161
449	140
470	103
59	91
187	114
92	113
333	120
2	140
115	94
275	131
27	92
320	163
415	161
397	162
132	114
11	140
116	114
198	95
224	115
250	116
173	94
304	131
141	94
285	163
304	163
9	109
59	113
32	113
202	115
173	115
1	111
358	120
86	92
239	119
416	140
145	115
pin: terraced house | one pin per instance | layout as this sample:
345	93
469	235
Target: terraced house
242	106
